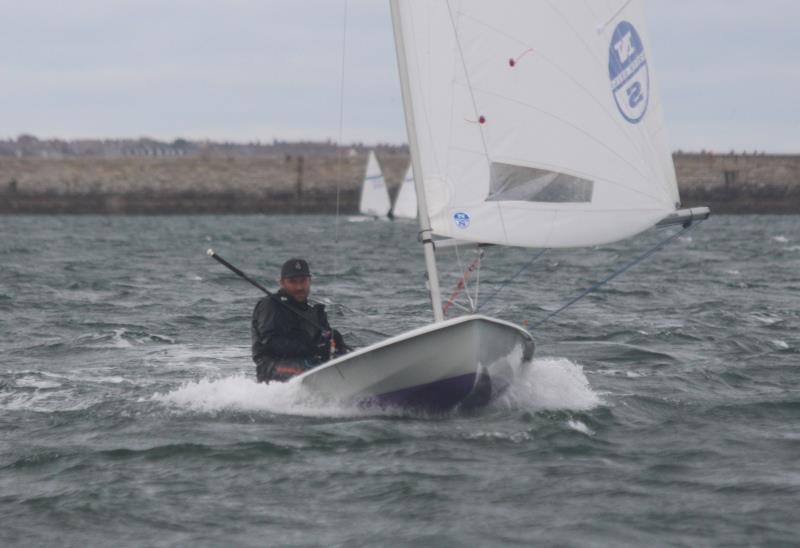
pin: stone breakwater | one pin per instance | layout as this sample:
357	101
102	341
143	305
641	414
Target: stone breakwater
310	183
732	183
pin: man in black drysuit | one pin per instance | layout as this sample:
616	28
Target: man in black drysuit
289	335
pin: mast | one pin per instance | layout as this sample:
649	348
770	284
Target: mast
424	222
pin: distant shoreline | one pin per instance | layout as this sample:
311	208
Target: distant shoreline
236	182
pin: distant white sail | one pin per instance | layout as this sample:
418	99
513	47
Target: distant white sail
375	199
405	205
538	122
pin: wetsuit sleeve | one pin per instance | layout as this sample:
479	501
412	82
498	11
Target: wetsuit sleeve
272	335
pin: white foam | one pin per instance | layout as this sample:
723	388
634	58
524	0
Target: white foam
767	319
240	393
552	384
548	383
33	382
45	401
581	427
629	373
783	345
116	379
180	356
513	437
781	239
118	339
122	338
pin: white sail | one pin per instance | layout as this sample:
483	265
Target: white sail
538	123
405	205
375	199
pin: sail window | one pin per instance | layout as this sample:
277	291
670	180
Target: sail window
518	183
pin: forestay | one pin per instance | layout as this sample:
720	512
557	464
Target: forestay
405	205
538	123
374	194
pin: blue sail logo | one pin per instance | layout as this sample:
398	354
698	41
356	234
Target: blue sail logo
627	68
461	219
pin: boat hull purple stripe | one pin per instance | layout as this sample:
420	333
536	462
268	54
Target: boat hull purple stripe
435	397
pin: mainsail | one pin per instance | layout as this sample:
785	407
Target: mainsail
537	123
374	194
405	205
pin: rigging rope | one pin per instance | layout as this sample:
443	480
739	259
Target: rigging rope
478	280
341	117
622	270
340	158
514	277
465	280
462	283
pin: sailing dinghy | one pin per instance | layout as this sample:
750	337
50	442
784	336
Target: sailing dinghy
405	204
531	123
375	200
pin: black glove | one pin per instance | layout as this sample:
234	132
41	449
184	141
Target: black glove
322	348
341	347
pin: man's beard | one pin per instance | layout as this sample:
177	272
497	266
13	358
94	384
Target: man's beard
300	296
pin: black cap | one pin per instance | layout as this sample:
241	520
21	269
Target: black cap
295	268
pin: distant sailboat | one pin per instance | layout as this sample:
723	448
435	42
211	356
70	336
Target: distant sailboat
375	201
531	123
405	204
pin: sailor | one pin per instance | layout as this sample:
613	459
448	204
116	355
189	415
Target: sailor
289	335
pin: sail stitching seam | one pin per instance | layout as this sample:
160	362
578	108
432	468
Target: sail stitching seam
646	144
609	114
475	109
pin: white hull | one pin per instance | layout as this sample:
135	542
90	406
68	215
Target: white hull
464	361
365	218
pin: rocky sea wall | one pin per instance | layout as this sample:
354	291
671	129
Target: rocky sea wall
740	183
309	183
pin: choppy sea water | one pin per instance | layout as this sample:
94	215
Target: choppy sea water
662	410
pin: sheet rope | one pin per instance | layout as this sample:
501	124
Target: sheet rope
616	273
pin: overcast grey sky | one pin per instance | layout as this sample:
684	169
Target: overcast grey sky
729	70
